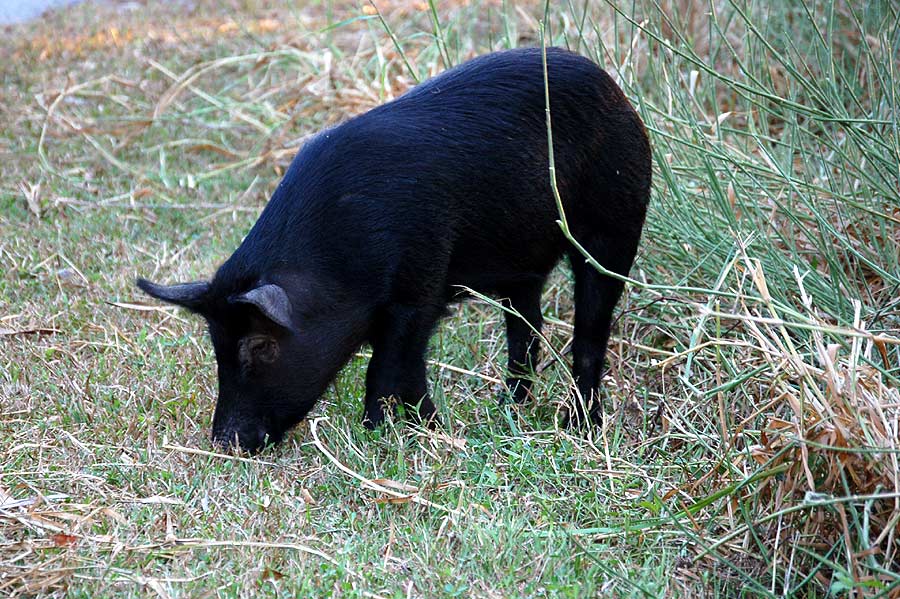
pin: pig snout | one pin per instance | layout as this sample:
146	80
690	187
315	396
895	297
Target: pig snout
251	437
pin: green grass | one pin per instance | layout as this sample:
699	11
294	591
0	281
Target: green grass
750	446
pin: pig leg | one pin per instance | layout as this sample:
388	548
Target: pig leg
522	339
397	367
595	298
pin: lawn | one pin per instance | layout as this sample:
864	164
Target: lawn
751	435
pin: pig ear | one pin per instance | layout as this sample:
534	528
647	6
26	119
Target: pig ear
271	300
192	296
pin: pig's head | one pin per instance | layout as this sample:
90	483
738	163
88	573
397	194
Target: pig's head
274	357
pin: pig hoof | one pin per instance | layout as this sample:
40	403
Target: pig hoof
514	393
505	398
430	421
373	420
424	415
579	418
513	396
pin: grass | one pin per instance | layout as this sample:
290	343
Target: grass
750	446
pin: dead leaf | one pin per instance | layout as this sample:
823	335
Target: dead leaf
138	307
394	500
36	331
115	515
62	539
32	197
453	442
397	486
270	574
159	499
732	200
879	343
307	497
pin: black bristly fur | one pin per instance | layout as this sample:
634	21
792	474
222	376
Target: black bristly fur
380	220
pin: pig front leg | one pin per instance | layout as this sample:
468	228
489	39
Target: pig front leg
523	339
397	368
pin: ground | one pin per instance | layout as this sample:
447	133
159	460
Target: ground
750	439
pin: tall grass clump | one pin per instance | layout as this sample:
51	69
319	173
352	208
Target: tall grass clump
775	132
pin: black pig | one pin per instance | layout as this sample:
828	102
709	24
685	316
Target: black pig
380	220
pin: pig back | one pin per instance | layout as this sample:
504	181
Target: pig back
449	184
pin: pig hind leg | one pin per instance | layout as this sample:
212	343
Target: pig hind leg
523	338
596	296
397	367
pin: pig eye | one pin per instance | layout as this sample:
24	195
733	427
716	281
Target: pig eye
255	350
